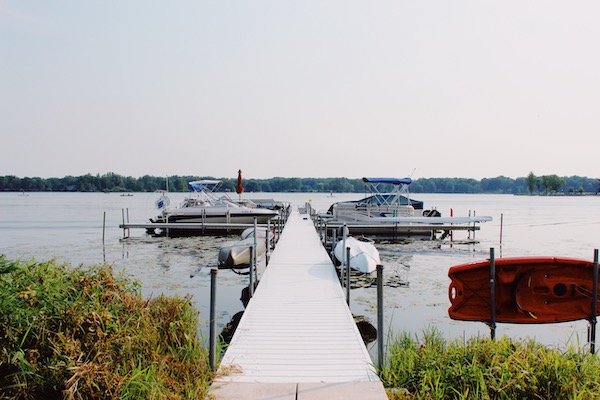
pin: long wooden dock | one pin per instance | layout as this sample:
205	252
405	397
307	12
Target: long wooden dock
297	338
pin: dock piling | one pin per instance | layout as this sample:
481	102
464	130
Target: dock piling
251	279
492	323
593	320
380	315
213	322
348	275
268	243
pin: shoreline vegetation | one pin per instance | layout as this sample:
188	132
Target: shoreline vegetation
83	333
111	182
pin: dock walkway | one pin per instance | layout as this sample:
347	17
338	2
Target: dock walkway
297	338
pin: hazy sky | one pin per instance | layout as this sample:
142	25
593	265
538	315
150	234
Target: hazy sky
300	88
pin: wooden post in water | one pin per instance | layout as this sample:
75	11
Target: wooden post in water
492	294
593	319
103	227
212	348
380	315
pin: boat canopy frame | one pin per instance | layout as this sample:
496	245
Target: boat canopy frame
389	198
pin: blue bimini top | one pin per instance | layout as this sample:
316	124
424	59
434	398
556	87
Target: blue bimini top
392	181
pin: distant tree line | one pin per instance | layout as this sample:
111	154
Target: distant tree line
111	182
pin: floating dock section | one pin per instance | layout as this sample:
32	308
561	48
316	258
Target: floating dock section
297	338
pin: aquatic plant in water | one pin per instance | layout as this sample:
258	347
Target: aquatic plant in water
74	333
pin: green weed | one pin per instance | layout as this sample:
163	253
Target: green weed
74	333
431	368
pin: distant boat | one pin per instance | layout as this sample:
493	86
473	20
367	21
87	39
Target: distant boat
364	256
529	290
23	193
126	194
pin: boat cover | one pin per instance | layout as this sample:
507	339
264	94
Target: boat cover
392	181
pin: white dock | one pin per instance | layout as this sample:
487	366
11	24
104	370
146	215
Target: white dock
297	339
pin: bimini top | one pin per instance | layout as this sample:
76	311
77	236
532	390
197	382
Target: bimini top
204	185
392	181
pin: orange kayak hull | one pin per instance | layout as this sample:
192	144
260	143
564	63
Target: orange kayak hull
529	290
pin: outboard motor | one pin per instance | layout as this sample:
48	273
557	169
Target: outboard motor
432	213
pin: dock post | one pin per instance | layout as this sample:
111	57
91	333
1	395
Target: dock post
212	348
344	259
123	216
492	294
380	315
103	227
501	225
251	279
268	243
451	231
255	260
474	230
333	241
592	338
348	275
128	231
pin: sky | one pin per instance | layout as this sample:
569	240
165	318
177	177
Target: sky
425	89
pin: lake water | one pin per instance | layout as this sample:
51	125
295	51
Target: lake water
68	227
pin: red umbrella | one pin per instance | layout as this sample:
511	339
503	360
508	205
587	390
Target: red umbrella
239	188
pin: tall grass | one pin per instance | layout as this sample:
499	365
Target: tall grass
432	368
86	334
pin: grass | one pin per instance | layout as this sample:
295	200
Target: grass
433	368
86	334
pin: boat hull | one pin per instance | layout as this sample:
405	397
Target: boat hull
529	290
364	256
237	255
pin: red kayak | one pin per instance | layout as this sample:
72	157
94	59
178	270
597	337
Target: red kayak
529	290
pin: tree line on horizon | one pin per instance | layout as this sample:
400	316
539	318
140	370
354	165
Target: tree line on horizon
112	182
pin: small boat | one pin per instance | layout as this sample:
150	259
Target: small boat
237	255
529	290
364	256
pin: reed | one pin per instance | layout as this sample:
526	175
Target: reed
73	333
433	368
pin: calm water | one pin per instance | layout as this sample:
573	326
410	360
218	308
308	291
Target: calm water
68	226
